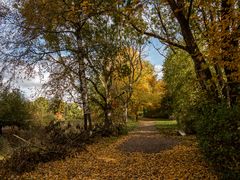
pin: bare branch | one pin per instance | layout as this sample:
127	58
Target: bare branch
162	39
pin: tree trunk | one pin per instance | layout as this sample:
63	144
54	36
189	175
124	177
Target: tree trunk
203	73
83	85
126	112
136	116
108	104
230	47
107	118
83	89
1	129
89	122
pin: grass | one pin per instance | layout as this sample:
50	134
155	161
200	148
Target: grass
131	125
5	148
166	126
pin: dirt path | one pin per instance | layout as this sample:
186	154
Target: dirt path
146	126
147	139
143	154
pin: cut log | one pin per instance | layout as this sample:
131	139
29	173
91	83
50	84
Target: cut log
181	132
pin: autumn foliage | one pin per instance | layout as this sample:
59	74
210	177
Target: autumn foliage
93	53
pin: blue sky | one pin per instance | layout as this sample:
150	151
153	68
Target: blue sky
153	55
32	86
155	52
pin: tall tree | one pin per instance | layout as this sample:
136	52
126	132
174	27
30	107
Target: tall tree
230	33
130	73
182	86
115	65
147	91
194	26
54	34
62	26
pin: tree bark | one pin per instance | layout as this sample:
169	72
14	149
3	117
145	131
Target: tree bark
136	116
84	94
202	70
230	47
126	112
1	129
83	85
107	118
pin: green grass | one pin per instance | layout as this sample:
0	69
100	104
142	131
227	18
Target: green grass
163	123
5	148
111	139
166	126
131	125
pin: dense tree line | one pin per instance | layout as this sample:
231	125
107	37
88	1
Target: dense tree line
16	110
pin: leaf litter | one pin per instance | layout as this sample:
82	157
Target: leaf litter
105	160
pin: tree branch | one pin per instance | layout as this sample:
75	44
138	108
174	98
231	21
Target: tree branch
190	10
162	39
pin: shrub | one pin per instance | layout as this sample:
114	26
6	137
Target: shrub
14	110
26	158
5	148
63	133
59	141
157	113
187	119
115	129
218	132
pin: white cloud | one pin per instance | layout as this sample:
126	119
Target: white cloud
159	70
31	87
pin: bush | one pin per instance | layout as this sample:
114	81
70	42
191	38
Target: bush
14	109
59	141
63	133
115	129
187	119
218	132
157	113
26	158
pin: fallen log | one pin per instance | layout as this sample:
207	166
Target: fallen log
181	132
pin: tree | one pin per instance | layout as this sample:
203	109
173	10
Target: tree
132	72
183	88
147	91
62	27
73	112
63	38
55	35
14	109
115	68
195	27
57	107
41	110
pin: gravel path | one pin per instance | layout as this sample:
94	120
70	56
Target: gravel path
147	139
